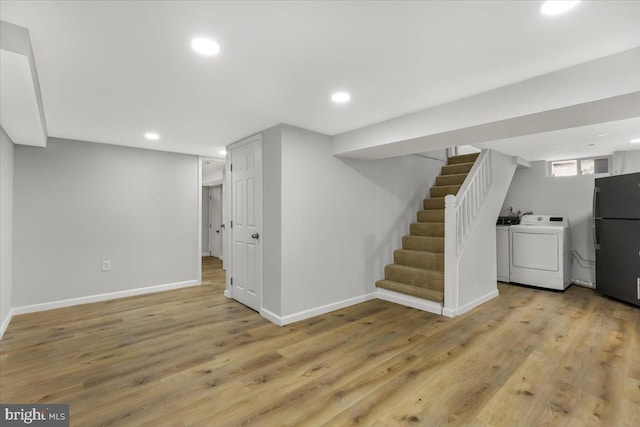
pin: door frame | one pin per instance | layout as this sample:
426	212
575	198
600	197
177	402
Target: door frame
228	201
216	224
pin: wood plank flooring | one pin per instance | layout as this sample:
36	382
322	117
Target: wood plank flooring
193	357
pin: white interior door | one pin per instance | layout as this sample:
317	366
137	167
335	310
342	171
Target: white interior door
246	217
215	221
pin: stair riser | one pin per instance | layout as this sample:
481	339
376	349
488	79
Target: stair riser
464	158
427	229
450	179
417	243
443	191
455	169
427	279
436	215
427	260
433	204
428	294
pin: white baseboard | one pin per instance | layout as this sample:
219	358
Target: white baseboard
410	301
101	297
584	283
227	293
206	254
476	302
448	312
5	322
270	316
316	311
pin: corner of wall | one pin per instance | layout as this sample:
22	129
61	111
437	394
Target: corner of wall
7	155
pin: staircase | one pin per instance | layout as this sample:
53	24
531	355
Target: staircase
418	268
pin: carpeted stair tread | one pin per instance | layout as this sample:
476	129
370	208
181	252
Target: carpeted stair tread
428	279
453	179
433	203
463	158
420	259
423	243
435	229
431	215
458	168
403	288
443	190
418	268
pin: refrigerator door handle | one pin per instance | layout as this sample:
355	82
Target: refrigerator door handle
596	190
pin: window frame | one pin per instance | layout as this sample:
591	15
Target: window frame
579	161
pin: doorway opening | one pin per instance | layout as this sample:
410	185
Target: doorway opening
212	228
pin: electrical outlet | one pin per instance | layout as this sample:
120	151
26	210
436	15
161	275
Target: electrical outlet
106	265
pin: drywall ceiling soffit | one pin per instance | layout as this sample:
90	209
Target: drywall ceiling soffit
610	110
599	91
115	70
586	141
21	110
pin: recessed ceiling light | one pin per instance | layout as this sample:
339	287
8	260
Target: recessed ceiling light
205	46
223	152
600	135
152	136
340	97
635	141
556	7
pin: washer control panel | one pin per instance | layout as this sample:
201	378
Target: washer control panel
533	219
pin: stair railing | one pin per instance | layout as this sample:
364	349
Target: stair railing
460	213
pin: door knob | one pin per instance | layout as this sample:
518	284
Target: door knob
255	236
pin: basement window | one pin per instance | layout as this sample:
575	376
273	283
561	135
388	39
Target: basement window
574	167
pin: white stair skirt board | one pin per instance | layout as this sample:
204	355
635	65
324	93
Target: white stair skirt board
410	301
101	297
316	311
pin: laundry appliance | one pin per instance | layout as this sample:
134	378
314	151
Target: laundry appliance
540	252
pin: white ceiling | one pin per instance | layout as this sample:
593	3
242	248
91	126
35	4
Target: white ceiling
110	71
585	141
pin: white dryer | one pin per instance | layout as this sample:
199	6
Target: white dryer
540	252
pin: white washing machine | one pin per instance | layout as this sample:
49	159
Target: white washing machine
540	252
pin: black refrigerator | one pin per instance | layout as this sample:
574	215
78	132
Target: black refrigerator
616	219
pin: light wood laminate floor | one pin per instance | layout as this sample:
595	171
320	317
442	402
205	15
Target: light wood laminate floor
193	357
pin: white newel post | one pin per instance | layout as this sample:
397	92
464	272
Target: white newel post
450	308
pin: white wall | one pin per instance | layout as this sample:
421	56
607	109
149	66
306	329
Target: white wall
271	236
78	203
477	275
205	220
6	227
571	196
626	162
341	218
